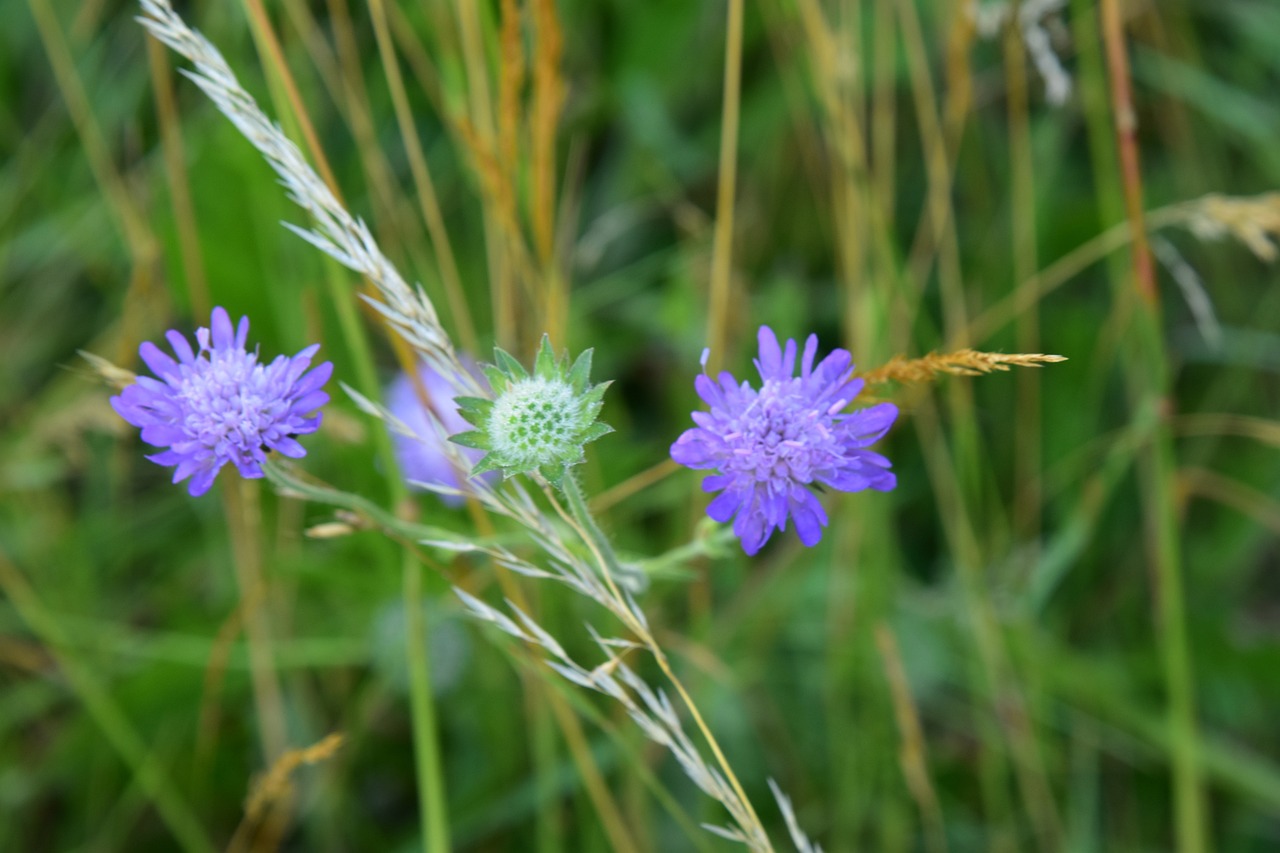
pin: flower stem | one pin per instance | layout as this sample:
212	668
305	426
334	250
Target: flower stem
152	779
596	538
610	568
243	511
1150	385
431	799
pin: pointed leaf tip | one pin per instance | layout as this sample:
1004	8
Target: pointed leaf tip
472	438
580	373
509	365
545	364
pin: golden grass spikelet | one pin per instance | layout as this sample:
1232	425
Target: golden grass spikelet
964	362
276	783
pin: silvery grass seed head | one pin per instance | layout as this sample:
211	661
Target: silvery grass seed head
537	422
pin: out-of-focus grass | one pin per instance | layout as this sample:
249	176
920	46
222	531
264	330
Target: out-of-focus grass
895	177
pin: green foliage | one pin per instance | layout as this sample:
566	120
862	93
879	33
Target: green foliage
1012	567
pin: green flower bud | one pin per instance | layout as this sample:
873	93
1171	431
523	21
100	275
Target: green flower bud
534	423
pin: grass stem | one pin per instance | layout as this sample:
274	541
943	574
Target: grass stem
243	509
1148	380
608	562
104	711
722	240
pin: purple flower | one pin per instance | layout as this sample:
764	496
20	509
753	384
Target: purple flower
424	457
219	405
771	447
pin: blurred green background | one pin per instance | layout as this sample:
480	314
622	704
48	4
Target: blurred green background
1060	632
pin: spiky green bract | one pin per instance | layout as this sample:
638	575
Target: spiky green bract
535	422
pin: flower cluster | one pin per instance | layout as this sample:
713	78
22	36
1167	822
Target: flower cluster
770	448
534	423
422	456
217	404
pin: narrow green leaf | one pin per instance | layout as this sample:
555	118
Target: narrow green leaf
580	373
596	430
509	365
486	464
473	438
479	405
498	380
596	394
545	365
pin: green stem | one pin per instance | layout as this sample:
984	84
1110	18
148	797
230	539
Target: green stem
611	569
244	523
431	799
122	736
1149	382
578	507
283	478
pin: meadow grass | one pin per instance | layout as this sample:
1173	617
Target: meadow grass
1057	633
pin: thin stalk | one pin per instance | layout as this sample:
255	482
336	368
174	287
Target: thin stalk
1126	123
1036	287
1002	689
963	476
129	218
1149	380
866	267
911	753
407	532
428	202
722	241
596	540
548	98
541	728
620	836
504	296
541	696
426	751
115	726
1027	438
175	167
243	509
608	562
428	765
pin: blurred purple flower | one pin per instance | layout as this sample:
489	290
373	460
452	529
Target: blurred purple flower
426	457
219	405
770	447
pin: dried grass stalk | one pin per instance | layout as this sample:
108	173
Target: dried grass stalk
964	362
549	93
277	784
510	85
336	232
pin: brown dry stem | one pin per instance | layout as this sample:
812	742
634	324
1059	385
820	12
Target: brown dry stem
277	783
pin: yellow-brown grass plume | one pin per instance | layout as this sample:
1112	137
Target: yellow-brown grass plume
964	362
266	811
276	783
1254	221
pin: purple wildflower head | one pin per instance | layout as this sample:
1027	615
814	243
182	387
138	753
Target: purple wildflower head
771	447
217	404
424	456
